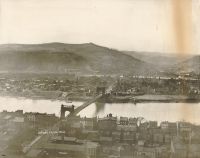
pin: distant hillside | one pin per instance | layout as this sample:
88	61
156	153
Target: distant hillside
63	58
161	61
189	65
169	63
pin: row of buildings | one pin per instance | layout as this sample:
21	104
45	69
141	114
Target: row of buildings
114	137
107	137
32	119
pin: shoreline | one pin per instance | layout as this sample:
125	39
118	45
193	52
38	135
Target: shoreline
136	99
152	99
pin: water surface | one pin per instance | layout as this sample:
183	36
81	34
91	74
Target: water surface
150	111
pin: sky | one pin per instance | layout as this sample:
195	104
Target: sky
138	25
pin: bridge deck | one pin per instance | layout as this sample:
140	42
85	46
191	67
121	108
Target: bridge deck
78	109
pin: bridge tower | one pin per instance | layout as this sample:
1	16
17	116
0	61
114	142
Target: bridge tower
65	108
101	90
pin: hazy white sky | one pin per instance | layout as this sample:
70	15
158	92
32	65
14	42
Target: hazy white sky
142	25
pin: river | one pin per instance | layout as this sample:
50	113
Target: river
150	111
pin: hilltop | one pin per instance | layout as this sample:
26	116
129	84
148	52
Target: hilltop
85	58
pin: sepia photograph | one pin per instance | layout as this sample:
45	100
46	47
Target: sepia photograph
99	78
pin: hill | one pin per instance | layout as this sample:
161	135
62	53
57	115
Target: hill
169	63
62	58
189	65
160	60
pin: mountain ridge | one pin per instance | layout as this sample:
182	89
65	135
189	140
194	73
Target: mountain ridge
57	57
89	58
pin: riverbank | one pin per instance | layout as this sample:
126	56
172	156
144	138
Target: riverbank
151	98
57	96
166	98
